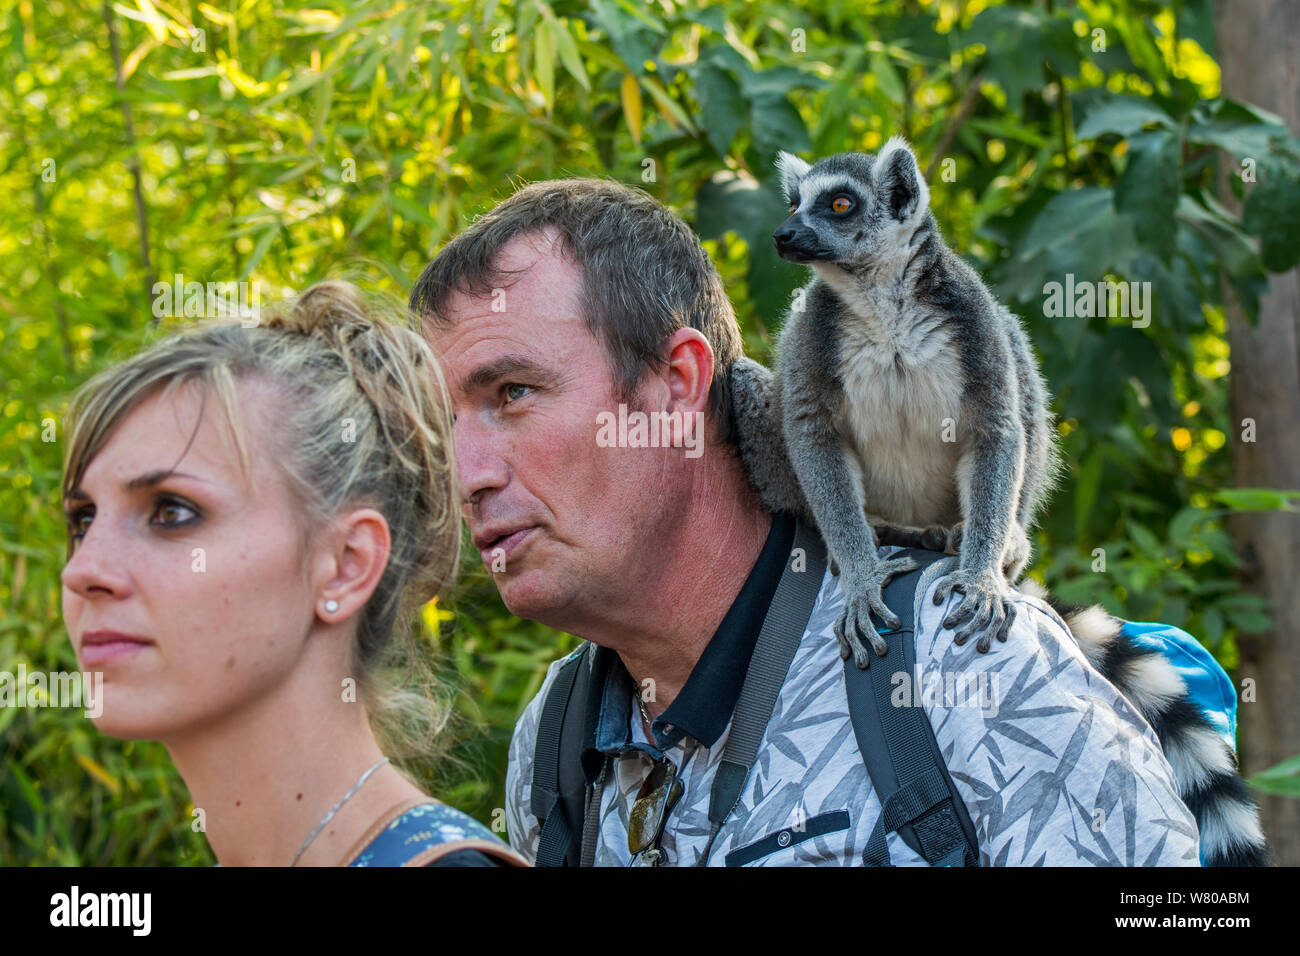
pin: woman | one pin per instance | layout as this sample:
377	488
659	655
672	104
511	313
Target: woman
252	514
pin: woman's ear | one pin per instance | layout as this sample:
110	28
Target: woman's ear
359	549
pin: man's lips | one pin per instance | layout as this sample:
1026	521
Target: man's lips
100	646
500	543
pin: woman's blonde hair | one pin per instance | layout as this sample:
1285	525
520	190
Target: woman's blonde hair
363	418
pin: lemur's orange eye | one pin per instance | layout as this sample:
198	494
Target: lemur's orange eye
841	204
793	206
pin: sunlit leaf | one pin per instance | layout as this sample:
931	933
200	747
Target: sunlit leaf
98	772
544	63
630	94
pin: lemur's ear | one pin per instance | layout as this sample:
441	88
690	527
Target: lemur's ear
901	182
792	169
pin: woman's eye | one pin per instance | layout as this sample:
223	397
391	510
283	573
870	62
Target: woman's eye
512	394
841	204
173	513
79	521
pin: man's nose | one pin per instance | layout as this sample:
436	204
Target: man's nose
480	462
98	566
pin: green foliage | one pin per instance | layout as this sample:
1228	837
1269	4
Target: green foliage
1282	780
285	143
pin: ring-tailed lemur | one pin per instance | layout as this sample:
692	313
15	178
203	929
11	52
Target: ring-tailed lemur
1205	766
905	396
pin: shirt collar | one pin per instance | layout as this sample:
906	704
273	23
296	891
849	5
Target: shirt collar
705	704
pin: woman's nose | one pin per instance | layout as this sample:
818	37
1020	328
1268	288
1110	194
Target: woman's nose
97	566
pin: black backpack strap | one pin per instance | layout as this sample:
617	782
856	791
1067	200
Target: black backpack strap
778	640
559	786
918	797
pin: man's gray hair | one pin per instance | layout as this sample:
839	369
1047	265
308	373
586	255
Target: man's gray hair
645	275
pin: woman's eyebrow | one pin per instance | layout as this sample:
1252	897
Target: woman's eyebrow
147	480
151	478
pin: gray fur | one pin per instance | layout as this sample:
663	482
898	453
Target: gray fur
896	335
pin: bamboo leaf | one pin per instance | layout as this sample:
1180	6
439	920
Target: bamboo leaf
410	210
259	250
670	108
1258	499
367	217
544	64
568	50
139	53
630	94
97	771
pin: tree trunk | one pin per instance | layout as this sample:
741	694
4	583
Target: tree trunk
1259	54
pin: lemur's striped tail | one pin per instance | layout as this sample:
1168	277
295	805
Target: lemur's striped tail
1205	767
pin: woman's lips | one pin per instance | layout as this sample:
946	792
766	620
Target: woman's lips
101	647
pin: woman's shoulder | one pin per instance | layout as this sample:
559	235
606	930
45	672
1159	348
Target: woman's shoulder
427	832
468	858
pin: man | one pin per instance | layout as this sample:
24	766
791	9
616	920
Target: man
577	302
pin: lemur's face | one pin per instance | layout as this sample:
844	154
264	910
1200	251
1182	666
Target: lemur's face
850	208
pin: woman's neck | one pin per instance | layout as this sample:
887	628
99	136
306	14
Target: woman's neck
266	775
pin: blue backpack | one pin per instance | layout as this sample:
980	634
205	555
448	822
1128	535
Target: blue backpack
1209	688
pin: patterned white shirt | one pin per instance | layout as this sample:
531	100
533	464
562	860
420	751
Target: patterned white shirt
1054	765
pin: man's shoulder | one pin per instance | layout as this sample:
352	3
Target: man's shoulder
1039	652
1054	762
1035	625
1034	679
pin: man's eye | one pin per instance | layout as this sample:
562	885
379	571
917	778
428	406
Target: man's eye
841	204
173	513
514	391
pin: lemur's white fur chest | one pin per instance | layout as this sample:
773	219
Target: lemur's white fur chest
900	419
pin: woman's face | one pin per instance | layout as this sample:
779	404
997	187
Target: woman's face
186	588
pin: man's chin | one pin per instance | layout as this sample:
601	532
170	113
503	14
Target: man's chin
533	595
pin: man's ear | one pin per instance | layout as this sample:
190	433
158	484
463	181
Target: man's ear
690	370
901	183
792	170
358	550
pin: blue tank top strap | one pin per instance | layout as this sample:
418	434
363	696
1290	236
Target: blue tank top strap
418	829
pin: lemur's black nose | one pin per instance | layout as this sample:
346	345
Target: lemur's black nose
795	244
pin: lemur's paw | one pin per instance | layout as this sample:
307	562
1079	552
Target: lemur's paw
986	607
863	596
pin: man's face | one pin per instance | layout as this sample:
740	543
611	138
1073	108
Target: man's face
561	522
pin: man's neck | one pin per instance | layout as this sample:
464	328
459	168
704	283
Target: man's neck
700	563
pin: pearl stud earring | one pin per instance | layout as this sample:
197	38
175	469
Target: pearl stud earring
331	605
